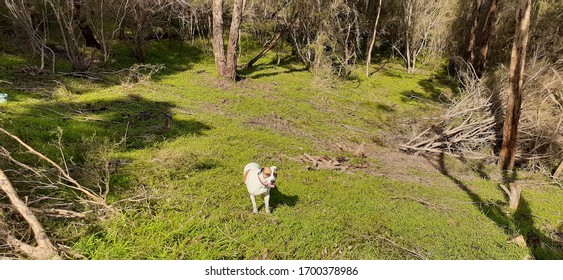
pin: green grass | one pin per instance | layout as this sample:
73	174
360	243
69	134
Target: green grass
198	207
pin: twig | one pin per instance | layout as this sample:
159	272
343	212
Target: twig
232	238
423	202
76	186
401	247
58	213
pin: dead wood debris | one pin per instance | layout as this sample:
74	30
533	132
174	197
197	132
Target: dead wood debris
330	163
359	152
51	212
463	129
38	245
44	248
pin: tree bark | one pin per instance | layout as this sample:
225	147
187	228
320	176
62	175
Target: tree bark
226	63
515	81
408	15
232	46
473	32
217	40
514	192
373	36
481	32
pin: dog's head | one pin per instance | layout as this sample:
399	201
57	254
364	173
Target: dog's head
270	175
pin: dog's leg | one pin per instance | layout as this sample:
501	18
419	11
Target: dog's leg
254	208
267	202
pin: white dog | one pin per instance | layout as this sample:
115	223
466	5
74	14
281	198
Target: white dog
259	181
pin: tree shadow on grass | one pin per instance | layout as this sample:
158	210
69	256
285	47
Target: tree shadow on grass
249	73
439	87
412	95
288	63
521	222
137	121
432	87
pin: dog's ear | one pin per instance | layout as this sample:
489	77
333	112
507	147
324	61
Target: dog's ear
262	170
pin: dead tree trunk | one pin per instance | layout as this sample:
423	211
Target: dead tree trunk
515	81
44	248
226	63
373	36
481	31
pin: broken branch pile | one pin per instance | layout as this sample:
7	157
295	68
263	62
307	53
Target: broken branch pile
466	127
326	162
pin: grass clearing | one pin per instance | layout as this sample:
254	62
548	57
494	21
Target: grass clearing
198	207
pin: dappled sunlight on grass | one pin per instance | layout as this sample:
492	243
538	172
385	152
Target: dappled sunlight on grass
186	136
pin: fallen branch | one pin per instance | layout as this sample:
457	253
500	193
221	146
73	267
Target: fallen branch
324	162
273	42
94	198
468	125
84	75
44	248
52	212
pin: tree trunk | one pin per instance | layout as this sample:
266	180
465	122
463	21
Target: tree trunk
217	41
373	36
408	8
515	81
480	37
473	32
514	193
226	64
232	46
